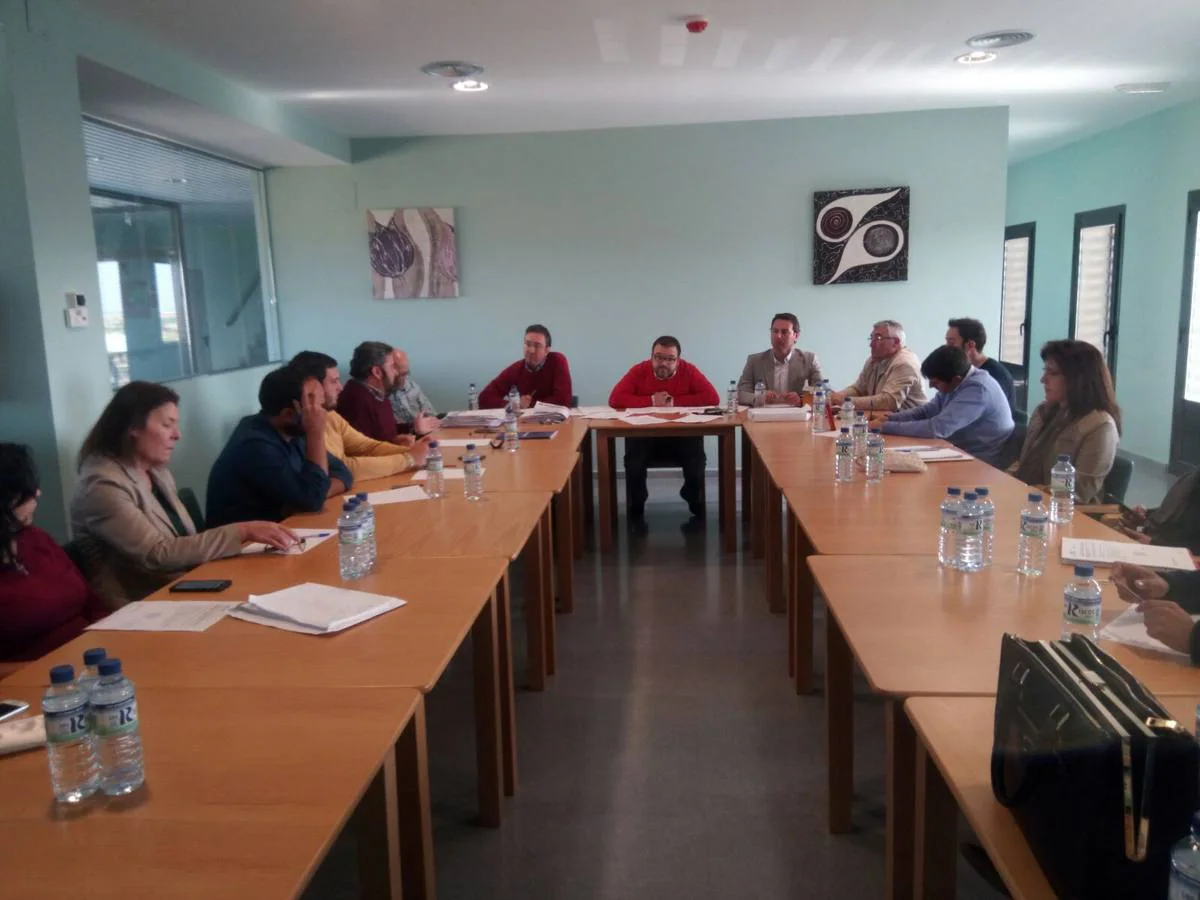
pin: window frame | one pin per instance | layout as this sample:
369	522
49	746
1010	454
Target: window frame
1191	236
1114	216
1016	232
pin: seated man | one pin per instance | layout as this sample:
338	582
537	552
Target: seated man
414	413
364	457
1167	601
970	335
364	401
542	374
890	379
969	409
275	463
663	380
784	369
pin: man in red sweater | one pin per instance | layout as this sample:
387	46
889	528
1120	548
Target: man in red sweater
365	400
542	374
664	380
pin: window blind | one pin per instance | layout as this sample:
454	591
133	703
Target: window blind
1093	286
1013	300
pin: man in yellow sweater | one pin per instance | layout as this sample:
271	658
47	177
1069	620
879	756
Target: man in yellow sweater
366	458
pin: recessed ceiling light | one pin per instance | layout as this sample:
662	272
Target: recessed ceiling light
451	68
1144	87
470	86
975	57
996	40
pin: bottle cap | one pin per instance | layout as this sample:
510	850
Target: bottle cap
1064	457
62	674
970	495
110	666
876	431
954	492
470	446
1034	498
845	430
472	384
1082	571
93	655
981	492
347	506
433	445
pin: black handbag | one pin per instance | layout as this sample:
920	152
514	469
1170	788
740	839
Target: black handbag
1099	778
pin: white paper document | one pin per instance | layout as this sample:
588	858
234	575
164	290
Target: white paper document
598	412
309	538
448	473
462	442
644	420
1130	628
696	419
1105	553
315	608
633	411
397	495
540	409
943	454
165	615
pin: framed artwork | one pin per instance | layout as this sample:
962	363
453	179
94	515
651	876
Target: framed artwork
414	253
860	236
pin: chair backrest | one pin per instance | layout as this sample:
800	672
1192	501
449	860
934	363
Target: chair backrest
1012	447
188	498
1116	483
574	401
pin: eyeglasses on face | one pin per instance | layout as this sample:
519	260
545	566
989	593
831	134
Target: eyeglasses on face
877	338
665	360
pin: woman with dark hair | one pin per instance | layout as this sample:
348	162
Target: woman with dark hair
1079	417
126	502
44	600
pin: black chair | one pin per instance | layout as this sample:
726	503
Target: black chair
1116	483
188	498
574	401
1012	447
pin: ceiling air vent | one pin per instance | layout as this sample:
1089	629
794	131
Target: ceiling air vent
997	40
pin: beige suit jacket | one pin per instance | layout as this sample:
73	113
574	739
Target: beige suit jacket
130	546
889	384
802	368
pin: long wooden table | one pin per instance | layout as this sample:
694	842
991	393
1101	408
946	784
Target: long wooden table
915	628
608	430
953	774
246	789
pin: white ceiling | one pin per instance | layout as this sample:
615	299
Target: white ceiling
573	64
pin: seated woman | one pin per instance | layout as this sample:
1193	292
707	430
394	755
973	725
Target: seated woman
1079	417
1173	523
1167	602
125	501
44	600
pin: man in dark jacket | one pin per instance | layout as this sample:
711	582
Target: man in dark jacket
1167	601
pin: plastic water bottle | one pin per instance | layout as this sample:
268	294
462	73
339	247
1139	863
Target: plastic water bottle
858	431
118	731
367	511
514	401
1035	537
1185	865
1081	604
1062	490
512	435
847	413
948	532
970	534
731	403
843	459
435	478
472	474
873	464
353	561
472	396
819	398
760	394
74	766
90	671
988	508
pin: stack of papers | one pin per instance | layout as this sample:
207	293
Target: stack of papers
779	414
478	418
546	414
397	495
1105	553
314	608
164	615
598	412
1130	628
644	420
942	454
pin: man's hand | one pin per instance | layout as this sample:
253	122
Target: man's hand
1140	536
876	419
404	440
1134	517
662	398
836	398
418	452
312	408
1138	584
1170	623
791	398
526	401
771	397
425	424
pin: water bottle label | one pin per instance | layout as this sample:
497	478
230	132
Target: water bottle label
1036	528
434	466
1061	483
970	527
472	467
112	719
1081	610
989	524
68	725
950	520
351	534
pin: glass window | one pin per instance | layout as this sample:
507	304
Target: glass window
183	255
1014	293
1096	279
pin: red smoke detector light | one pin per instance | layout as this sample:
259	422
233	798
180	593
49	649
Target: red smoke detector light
696	25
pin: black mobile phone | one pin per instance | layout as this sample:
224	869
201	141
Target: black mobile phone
201	587
714	411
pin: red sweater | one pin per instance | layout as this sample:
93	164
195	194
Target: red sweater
367	413
550	384
46	605
688	386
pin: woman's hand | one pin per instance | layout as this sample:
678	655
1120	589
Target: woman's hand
1170	623
270	533
1137	584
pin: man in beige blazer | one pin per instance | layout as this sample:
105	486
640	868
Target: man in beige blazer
891	378
784	369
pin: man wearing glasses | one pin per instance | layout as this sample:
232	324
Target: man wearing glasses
668	381
891	378
784	369
540	374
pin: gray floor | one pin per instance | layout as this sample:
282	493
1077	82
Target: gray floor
668	758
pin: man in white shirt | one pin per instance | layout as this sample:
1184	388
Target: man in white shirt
784	369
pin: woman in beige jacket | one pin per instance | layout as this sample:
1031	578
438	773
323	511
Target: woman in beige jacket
138	534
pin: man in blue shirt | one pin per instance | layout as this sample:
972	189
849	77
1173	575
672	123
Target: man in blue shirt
275	463
969	409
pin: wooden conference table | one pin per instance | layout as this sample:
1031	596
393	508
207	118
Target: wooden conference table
917	629
243	799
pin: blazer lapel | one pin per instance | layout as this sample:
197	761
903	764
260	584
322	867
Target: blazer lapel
147	501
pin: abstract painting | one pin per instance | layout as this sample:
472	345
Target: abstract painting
414	253
860	236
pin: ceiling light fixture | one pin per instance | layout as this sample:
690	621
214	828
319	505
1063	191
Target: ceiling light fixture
1144	87
998	40
451	68
975	58
470	86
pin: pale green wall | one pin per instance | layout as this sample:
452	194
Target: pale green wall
613	237
1149	166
